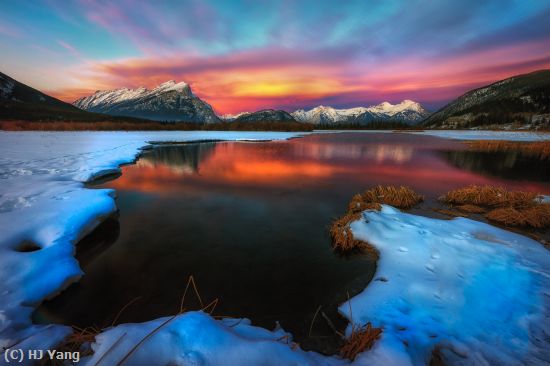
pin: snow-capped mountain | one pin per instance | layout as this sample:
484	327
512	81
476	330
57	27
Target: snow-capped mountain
170	101
407	111
231	117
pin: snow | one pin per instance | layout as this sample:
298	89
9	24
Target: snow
478	291
171	85
195	338
6	86
383	110
486	135
103	98
393	109
232	117
43	201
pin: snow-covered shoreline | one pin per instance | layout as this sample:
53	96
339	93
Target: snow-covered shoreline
486	135
478	292
43	201
464	135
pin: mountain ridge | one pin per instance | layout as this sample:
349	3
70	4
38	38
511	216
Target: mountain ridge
169	101
19	101
407	111
521	99
269	115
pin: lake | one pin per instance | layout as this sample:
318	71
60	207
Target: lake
249	222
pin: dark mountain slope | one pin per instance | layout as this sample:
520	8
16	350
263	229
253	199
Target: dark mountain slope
21	102
519	100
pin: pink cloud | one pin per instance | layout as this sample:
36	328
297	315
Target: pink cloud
280	78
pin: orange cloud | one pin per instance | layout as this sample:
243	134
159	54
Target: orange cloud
279	79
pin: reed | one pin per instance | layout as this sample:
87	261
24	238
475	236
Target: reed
361	339
400	197
507	208
489	197
471	209
536	217
372	199
288	126
540	149
81	338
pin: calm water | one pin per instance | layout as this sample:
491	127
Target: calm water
248	221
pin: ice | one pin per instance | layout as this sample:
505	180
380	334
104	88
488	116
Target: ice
478	292
475	290
43	201
194	338
487	135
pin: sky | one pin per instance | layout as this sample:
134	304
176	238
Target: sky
251	55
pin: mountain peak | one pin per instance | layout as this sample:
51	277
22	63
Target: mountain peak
408	111
171	85
169	101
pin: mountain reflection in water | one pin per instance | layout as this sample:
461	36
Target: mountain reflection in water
505	164
181	159
249	222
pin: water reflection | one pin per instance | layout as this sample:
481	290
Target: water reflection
248	221
181	159
506	164
354	151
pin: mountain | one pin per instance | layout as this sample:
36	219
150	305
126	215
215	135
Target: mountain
21	102
269	115
170	101
232	117
522	99
406	111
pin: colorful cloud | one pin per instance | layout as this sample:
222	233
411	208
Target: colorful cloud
292	54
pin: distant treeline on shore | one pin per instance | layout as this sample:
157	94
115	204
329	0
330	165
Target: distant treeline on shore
290	126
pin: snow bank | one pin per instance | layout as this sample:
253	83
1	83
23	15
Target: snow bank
195	338
44	205
486	135
479	292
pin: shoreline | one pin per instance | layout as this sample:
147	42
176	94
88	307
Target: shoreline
104	202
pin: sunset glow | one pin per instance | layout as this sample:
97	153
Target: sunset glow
288	55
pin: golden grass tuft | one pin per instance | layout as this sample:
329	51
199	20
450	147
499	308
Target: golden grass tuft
489	196
540	149
360	340
359	204
372	199
342	237
400	197
537	217
508	208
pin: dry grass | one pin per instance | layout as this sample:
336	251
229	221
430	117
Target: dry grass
437	357
540	149
400	197
489	197
340	231
360	340
16	125
471	209
80	338
508	208
450	213
342	237
537	217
